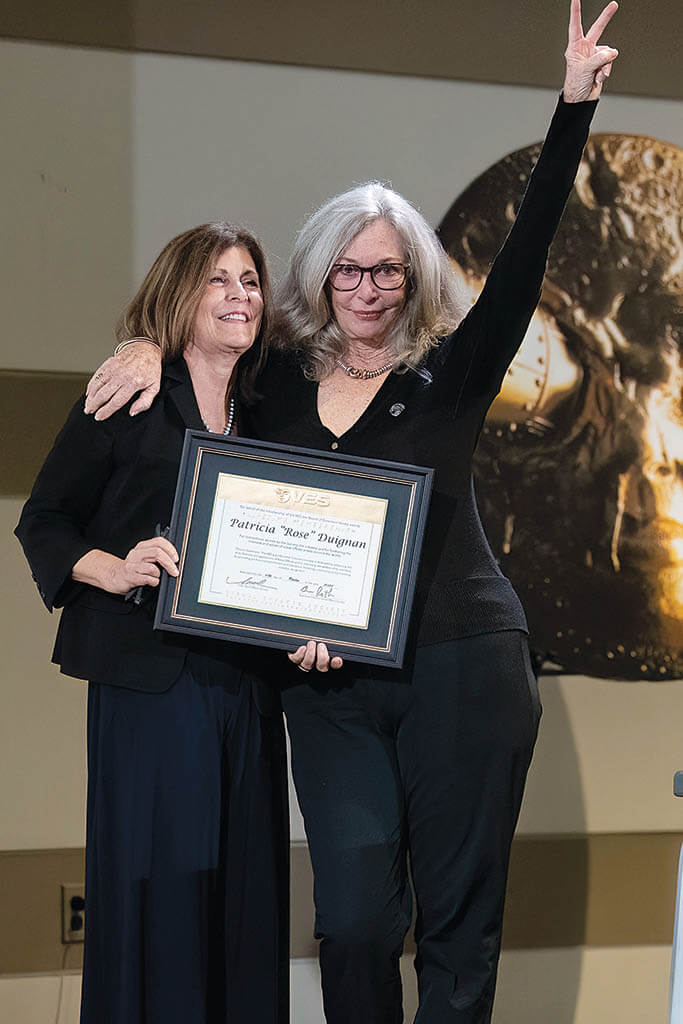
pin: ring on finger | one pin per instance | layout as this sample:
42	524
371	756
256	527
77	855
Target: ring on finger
302	669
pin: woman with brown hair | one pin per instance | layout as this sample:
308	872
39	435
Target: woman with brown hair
187	839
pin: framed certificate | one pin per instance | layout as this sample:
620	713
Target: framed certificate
280	545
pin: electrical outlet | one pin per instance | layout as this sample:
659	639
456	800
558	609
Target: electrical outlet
73	912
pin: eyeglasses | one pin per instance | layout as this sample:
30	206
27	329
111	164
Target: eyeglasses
345	277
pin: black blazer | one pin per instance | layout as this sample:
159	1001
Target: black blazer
107	485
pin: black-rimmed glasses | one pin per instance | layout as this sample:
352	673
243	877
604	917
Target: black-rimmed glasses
346	277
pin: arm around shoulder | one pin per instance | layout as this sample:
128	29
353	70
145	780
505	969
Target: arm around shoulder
134	369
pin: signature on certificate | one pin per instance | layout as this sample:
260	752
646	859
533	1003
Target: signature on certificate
320	590
257	582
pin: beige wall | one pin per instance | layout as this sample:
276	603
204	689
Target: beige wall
67	203
106	156
42	782
496	41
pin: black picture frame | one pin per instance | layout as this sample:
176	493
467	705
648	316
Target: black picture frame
298	474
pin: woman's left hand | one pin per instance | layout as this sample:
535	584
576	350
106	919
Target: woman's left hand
588	65
314	655
135	370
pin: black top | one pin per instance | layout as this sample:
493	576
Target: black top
107	485
433	416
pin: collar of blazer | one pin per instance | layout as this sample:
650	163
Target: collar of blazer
177	385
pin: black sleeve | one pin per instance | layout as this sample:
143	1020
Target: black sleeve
66	494
495	327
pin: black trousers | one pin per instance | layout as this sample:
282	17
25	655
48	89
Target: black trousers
186	856
425	765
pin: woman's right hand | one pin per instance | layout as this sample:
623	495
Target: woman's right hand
314	655
588	64
136	369
143	564
140	568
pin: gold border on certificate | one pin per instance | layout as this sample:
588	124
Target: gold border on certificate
270	630
365	508
281	541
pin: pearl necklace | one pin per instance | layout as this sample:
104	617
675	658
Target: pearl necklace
231	419
353	371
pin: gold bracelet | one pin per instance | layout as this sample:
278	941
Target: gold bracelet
129	341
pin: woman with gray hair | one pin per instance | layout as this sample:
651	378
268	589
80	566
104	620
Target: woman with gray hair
435	303
427	762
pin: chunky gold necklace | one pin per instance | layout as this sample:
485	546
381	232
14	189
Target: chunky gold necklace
353	371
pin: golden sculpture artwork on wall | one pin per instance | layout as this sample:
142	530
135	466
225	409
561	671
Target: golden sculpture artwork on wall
579	471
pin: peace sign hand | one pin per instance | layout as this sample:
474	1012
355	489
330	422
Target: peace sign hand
588	65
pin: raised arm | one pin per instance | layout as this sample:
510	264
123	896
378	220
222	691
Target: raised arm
495	327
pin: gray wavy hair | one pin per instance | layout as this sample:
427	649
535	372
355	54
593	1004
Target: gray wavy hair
435	301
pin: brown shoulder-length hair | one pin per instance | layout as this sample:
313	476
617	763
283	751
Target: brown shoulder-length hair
165	306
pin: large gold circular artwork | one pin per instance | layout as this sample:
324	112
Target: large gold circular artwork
579	470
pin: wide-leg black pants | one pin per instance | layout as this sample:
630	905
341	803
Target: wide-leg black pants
186	856
427	765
